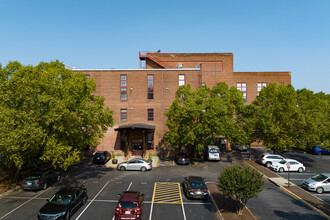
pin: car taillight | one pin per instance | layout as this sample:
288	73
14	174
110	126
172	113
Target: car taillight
179	159
187	158
138	211
191	190
262	159
149	164
38	182
205	190
22	181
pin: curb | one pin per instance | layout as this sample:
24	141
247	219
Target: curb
289	192
216	206
16	188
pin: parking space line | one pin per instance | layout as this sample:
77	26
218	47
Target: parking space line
92	200
24	203
129	186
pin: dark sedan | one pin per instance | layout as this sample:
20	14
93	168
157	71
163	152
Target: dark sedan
182	158
195	188
40	179
101	157
64	203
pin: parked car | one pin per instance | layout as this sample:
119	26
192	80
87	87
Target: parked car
319	183
182	158
212	152
63	203
135	164
40	179
318	150
268	159
129	205
241	147
283	166
194	187
101	157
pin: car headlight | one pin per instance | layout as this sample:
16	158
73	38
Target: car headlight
60	214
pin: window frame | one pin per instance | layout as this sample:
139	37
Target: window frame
260	85
182	79
242	88
123	87
150	117
123	112
150	85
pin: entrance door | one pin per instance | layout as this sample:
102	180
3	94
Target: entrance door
137	146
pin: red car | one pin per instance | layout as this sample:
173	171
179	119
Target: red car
129	205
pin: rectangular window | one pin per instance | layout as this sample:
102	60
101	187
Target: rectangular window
150	86
123	87
181	80
87	76
123	114
150	140
150	114
242	87
260	86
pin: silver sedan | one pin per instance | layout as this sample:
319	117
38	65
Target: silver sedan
319	183
135	164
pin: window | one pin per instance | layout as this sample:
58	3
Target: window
123	114
242	87
123	87
150	140
87	76
150	86
122	140
260	86
150	114
181	80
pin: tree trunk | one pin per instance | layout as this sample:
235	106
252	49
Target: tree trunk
14	172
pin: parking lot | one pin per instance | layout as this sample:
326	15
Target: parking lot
169	202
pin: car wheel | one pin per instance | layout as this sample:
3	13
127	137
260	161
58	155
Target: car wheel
268	164
58	178
143	169
300	169
67	216
84	200
281	170
45	186
122	168
319	190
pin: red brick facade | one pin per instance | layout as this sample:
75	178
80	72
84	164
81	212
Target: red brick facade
197	68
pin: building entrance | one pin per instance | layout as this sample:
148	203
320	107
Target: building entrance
137	147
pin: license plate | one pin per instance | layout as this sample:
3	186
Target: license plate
29	183
127	212
183	159
199	192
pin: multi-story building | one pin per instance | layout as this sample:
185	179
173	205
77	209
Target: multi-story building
139	97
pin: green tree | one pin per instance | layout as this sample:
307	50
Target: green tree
313	124
48	113
241	184
277	116
197	116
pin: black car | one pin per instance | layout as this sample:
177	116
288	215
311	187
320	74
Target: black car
63	203
40	179
194	187
101	157
182	158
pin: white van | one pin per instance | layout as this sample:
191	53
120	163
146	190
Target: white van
212	152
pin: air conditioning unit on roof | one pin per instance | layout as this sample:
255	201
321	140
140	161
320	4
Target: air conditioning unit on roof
179	66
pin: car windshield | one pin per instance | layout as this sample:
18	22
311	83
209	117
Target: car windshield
99	155
319	177
128	205
197	185
214	150
60	199
35	175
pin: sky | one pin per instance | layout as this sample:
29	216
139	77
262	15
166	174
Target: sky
263	35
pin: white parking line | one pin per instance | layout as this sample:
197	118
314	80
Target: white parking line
129	186
92	200
24	203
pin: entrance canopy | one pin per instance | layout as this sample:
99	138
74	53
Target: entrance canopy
136	126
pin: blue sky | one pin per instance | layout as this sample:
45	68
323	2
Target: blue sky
264	35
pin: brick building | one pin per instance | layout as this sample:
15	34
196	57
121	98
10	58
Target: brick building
139	97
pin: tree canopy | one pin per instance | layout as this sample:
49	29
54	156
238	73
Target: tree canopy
48	113
241	184
197	116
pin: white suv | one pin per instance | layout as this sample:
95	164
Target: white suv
268	159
